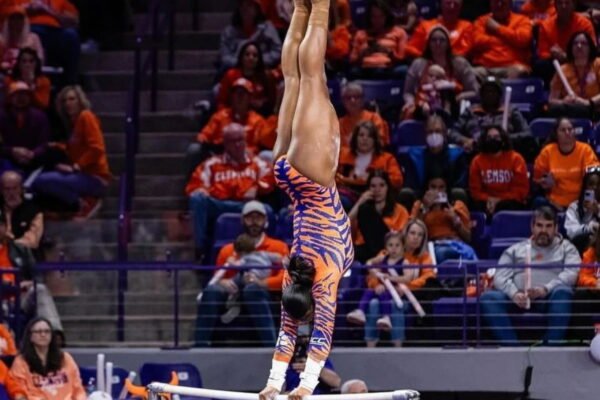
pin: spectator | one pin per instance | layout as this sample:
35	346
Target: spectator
449	19
539	10
354	104
55	22
438	51
24	130
250	65
376	213
10	385
254	292
555	32
378	49
582	71
448	225
7	344
329	380
81	176
17	36
406	14
587	296
583	215
475	119
222	183
338	40
210	138
550	290
499	42
561	165
364	156
28	69
248	24
273	11
354	386
436	95
43	369
498	175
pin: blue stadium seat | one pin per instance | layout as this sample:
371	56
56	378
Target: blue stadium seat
479	233
409	169
188	375
118	378
408	133
508	228
285	226
358	11
428	9
584	130
388	92
335	93
448	317
527	94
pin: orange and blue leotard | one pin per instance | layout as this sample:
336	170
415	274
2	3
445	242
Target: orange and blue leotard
322	235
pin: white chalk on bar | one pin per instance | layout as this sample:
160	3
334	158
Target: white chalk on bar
157	387
507	96
123	393
413	300
563	78
109	375
528	273
100	382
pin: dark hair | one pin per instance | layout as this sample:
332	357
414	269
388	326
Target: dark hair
593	170
373	133
553	136
547	213
297	299
54	360
16	71
506	145
236	18
244	243
389	16
591	44
427	53
260	66
390	198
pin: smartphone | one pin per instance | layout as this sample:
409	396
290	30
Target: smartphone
589	195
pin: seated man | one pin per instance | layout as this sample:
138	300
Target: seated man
550	290
253	292
222	183
499	42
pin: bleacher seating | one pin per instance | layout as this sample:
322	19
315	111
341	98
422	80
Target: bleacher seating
408	133
541	128
88	378
187	374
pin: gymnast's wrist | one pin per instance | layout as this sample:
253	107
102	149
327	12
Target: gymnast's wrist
277	374
309	379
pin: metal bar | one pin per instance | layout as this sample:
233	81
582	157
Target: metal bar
154	61
477	307
464	316
122	286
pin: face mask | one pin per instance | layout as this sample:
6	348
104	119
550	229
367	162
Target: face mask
435	140
492	146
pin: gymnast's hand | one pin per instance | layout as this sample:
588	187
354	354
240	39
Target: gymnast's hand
299	393
268	393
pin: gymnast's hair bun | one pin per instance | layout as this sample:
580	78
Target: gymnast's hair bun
302	271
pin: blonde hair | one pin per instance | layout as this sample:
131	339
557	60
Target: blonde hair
420	251
84	102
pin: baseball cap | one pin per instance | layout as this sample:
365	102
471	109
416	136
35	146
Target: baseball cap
254	206
18	86
243	83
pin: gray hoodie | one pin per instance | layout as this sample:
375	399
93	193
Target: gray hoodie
560	252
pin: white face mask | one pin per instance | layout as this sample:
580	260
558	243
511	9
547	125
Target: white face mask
435	139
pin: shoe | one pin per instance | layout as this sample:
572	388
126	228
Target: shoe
384	323
357	317
231	314
90	47
88	209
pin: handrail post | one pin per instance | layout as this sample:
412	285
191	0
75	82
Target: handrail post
154	60
168	257
477	306
464	316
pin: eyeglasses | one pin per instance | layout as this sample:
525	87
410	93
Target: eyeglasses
41	332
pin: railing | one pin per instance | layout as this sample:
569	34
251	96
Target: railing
454	315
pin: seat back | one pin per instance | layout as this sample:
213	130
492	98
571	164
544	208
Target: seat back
541	128
358	11
187	373
88	376
511	224
428	9
409	133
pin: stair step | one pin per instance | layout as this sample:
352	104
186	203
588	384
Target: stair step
124	59
100	252
184	40
206	20
157	185
152	164
156	206
171	100
167	80
151	142
164	121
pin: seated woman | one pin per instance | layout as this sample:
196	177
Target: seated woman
498	175
81	174
43	369
406	14
250	65
582	72
28	69
364	156
560	167
338	45
378	49
448	224
583	215
375	214
16	36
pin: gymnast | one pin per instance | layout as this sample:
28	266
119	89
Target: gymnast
306	154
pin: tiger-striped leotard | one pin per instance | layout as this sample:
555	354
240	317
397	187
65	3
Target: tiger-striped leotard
322	235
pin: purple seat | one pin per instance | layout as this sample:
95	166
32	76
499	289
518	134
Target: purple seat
527	94
584	131
479	233
408	133
88	376
188	375
448	316
386	92
358	11
428	9
285	226
508	227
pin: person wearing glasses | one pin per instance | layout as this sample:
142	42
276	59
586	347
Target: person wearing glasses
43	369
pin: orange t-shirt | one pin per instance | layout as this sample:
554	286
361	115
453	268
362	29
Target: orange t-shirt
439	225
5	263
339	46
538	13
509	45
503	177
588	276
12	386
587	87
64	384
384	161
551	34
213	130
41	93
7	344
58	6
394	222
418	40
267	243
347	124
393	40
567	169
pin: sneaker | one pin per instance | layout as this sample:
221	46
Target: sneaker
384	323
88	209
231	314
357	317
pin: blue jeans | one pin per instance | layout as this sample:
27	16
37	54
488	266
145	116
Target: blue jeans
206	210
68	188
496	307
256	302
397	317
62	49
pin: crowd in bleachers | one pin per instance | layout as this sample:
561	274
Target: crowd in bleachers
452	115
